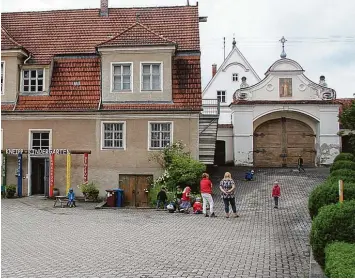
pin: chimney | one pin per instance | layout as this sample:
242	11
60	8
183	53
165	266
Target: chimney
104	8
214	69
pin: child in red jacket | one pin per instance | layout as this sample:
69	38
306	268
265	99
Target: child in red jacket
197	206
276	193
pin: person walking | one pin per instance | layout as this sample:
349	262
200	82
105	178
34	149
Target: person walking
276	193
206	193
300	164
162	198
227	187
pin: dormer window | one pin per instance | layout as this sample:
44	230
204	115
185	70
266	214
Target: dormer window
235	77
32	81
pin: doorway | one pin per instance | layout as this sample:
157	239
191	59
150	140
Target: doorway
40	176
134	189
220	153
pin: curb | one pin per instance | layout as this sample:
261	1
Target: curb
315	271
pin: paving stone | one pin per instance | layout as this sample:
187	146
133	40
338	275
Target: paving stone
41	241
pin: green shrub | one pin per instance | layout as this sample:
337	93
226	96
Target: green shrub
90	191
345	175
340	260
333	223
10	191
328	193
343	164
345	156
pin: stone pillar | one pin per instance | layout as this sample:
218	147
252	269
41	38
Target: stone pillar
329	140
242	118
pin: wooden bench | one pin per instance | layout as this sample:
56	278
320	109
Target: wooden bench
62	200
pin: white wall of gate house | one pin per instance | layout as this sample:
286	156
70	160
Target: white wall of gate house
308	102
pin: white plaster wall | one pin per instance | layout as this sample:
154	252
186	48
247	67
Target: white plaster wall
225	116
226	134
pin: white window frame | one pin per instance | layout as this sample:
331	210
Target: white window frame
29	86
235	75
102	132
3	78
150	131
113	64
225	96
30	137
151	80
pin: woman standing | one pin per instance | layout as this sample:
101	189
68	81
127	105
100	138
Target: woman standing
227	187
206	193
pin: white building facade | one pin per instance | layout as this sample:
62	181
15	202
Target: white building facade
284	116
225	81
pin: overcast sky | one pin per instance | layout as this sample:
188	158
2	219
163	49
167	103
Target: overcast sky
320	33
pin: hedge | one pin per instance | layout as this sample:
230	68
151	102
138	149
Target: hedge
333	223
344	156
340	260
343	164
328	193
343	174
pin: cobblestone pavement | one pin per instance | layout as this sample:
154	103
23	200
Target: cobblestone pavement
41	241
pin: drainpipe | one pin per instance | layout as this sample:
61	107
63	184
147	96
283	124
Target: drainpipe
24	62
28	58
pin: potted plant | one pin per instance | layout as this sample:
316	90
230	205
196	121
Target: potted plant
56	192
90	191
10	191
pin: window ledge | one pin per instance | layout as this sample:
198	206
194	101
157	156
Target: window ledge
113	148
121	91
43	93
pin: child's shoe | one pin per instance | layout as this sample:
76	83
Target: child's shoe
213	215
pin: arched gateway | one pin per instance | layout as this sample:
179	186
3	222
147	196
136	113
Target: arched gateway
279	142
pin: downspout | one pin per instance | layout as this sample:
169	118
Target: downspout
17	96
98	108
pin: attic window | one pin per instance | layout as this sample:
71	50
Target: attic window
77	83
235	77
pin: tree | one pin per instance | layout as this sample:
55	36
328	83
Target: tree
347	119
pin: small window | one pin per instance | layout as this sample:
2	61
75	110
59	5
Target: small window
32	81
122	77
113	135
235	77
40	140
151	77
2	77
160	135
221	96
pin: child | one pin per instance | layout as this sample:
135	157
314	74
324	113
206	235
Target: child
185	200
162	198
300	164
197	206
171	207
71	198
276	193
249	175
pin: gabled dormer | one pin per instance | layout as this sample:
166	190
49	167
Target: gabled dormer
137	66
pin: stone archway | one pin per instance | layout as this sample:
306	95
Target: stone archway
278	142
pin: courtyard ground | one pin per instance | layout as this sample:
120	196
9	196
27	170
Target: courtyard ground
41	241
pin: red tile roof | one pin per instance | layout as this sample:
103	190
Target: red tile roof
7	42
48	33
7	106
345	103
187	93
137	35
64	94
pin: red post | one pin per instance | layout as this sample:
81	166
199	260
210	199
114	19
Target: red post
51	176
86	167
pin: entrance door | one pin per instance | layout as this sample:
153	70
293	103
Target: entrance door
220	153
39	176
133	186
279	142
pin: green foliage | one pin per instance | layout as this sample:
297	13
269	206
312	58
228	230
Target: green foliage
345	156
347	117
334	222
328	193
342	174
343	164
90	191
340	260
10	191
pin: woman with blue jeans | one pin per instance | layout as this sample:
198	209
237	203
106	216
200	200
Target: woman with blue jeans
227	187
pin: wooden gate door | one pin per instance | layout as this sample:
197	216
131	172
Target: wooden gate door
134	189
268	144
279	142
220	153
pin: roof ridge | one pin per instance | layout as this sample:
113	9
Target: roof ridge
131	27
7	34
